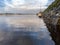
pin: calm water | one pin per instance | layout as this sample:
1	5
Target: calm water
24	30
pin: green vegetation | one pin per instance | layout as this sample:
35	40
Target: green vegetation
55	4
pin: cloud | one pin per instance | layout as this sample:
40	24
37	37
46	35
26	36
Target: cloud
16	5
27	4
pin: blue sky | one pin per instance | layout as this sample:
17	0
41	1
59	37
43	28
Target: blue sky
2	3
8	5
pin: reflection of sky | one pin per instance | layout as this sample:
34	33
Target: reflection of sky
24	4
25	28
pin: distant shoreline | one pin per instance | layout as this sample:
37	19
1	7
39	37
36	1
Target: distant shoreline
15	14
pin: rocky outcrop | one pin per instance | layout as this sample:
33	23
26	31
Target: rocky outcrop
51	17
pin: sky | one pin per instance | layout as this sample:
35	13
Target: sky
23	5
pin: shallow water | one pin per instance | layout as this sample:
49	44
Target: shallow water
24	30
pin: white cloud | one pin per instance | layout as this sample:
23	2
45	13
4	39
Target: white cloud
25	5
18	2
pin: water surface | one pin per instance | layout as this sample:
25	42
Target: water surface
24	30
